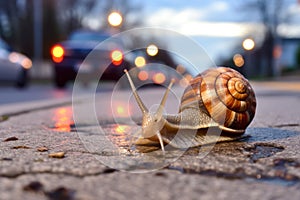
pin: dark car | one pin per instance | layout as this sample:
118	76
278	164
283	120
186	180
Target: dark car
89	54
14	66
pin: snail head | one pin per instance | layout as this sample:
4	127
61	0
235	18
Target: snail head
152	122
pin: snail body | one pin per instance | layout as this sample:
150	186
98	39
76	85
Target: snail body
218	98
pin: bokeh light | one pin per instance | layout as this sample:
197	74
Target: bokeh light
120	110
13	57
116	57
115	19
238	60
159	78
18	58
140	61
180	69
143	75
121	128
277	52
248	44
152	50
57	53
63	119
26	63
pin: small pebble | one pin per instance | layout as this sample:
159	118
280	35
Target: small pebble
34	186
57	155
21	147
160	174
6	159
10	139
42	149
108	170
61	193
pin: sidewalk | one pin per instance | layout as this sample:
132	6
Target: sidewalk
44	156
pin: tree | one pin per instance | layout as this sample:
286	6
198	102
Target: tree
76	14
9	22
71	14
26	37
271	15
60	18
298	57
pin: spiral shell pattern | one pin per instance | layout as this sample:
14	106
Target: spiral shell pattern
225	95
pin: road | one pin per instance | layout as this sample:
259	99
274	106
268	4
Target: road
33	93
265	165
37	92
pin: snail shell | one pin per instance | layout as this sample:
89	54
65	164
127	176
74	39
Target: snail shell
217	98
223	94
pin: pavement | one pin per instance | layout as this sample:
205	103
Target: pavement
79	150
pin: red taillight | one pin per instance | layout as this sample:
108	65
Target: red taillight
57	53
116	57
143	75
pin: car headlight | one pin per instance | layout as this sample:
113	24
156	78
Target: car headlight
20	59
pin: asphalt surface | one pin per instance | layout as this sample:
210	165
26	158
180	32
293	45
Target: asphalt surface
50	151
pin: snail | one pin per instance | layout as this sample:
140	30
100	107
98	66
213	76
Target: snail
219	98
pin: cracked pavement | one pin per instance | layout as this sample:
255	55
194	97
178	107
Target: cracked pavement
265	165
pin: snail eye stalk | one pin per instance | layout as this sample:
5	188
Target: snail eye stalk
137	97
164	99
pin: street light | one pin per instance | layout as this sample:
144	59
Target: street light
140	61
115	19
248	44
152	50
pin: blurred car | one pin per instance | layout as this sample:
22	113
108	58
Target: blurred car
82	55
14	66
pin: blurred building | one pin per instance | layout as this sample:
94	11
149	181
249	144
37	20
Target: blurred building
289	51
257	63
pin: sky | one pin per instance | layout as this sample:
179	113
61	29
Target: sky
218	26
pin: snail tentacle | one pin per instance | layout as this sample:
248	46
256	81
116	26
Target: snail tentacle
152	122
160	141
159	111
137	97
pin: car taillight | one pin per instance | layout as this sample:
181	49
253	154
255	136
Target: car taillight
116	57
143	75
57	53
